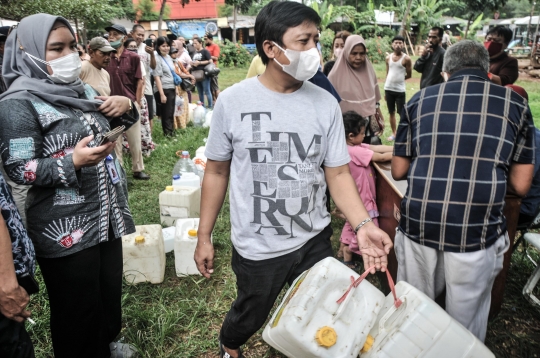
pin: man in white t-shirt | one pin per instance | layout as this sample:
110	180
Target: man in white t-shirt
280	139
148	60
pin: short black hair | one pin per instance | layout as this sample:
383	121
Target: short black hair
160	41
276	18
128	41
136	26
439	30
353	122
398	38
503	31
199	40
209	36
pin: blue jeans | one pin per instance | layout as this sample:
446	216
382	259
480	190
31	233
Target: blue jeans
204	86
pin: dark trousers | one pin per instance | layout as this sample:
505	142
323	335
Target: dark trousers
150	104
260	282
85	292
14	340
167	110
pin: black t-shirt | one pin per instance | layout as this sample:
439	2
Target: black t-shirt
202	55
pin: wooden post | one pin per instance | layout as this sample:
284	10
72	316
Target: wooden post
410	43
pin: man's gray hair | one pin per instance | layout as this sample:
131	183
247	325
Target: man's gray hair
466	54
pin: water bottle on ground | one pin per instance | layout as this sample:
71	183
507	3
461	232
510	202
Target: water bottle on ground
184	165
199	115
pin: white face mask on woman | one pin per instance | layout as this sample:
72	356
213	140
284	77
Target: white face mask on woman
303	64
65	69
337	52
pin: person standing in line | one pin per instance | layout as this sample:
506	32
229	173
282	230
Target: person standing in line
147	145
181	120
127	80
146	53
51	140
201	59
214	50
268	125
503	68
462	146
431	61
183	58
354	79
398	69
17	260
164	88
337	47
18	191
93	71
190	47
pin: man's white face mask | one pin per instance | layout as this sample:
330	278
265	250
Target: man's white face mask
303	64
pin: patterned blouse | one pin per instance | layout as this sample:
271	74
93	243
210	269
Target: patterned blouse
68	210
22	248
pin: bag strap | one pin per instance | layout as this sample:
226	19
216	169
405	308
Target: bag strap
355	283
170	69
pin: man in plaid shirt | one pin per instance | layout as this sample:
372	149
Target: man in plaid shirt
461	145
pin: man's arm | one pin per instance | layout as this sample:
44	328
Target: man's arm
13	298
387	66
408	67
508	74
520	178
140	90
400	167
373	242
214	188
149	50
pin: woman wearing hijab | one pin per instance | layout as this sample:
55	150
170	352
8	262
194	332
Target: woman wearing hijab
184	59
53	126
354	79
181	120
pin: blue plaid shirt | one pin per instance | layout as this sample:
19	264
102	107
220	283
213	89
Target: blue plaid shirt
462	136
21	246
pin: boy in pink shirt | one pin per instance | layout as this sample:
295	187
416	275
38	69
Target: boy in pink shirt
363	174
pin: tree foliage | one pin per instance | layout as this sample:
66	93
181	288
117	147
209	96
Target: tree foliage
82	10
146	10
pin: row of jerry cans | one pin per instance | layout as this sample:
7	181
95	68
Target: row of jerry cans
144	251
324	314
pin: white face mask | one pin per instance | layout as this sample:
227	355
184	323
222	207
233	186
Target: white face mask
65	69
337	52
303	64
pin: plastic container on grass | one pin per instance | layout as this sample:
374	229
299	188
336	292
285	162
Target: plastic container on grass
184	247
184	164
199	115
179	202
419	328
310	323
168	238
144	255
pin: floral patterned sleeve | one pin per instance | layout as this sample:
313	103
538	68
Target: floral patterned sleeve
28	156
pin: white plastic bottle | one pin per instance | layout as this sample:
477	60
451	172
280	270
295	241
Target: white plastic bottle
184	165
176	179
185	243
199	115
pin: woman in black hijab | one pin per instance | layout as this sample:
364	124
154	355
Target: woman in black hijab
53	128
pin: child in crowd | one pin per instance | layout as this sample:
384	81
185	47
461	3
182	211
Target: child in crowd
363	174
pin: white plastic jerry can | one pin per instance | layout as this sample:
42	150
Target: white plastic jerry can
144	255
311	323
179	202
168	238
185	243
419	328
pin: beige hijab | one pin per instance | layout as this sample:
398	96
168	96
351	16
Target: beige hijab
358	88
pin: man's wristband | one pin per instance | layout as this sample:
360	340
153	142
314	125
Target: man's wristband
359	226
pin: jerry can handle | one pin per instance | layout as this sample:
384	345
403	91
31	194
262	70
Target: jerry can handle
389	313
355	283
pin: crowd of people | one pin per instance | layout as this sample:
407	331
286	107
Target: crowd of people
293	134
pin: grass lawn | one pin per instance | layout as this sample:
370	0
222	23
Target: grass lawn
181	317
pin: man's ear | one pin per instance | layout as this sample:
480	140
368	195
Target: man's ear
270	49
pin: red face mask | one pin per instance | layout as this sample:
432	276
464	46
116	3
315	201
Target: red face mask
494	48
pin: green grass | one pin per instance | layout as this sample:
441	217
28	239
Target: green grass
181	317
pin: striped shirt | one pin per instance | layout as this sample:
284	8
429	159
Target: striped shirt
462	137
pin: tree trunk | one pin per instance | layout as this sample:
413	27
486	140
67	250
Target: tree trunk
529	26
77	31
84	36
234	24
160	20
404	20
468	24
